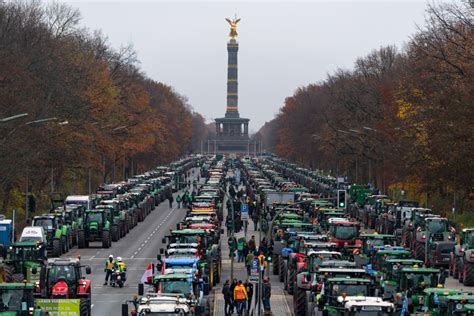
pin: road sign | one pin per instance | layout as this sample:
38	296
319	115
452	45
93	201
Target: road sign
254	271
244	211
60	307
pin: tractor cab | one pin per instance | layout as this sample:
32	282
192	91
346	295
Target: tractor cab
380	256
366	306
73	213
63	279
460	304
414	281
17	299
344	233
436	300
335	290
159	304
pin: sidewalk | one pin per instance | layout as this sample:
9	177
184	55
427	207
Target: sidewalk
278	301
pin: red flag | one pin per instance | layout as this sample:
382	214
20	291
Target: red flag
147	276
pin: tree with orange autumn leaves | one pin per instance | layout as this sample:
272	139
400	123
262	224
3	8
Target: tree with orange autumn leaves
399	119
104	118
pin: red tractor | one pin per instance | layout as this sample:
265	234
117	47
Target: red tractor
345	233
62	279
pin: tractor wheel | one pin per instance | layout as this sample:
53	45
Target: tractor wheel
9	272
56	248
75	236
85	307
211	276
216	273
285	277
291	281
70	239
276	264
281	269
130	222
64	244
124	228
457	267
115	233
469	273
18	278
106	239
81	239
420	251
300	303
453	266
219	271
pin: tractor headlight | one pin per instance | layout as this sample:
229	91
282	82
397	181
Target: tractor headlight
459	306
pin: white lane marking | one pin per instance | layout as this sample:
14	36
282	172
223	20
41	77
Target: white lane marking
91	258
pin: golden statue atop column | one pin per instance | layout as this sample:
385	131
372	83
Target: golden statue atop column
233	27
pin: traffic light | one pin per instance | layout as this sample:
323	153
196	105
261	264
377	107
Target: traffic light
341	198
269	258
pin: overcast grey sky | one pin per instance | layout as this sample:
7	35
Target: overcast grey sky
283	45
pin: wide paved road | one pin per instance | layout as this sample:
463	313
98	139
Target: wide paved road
137	249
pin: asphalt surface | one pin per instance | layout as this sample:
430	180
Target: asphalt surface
138	248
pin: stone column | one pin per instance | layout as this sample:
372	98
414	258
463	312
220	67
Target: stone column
232	83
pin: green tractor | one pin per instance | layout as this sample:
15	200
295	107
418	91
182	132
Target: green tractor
23	261
73	217
117	218
413	282
96	228
389	274
436	301
56	233
336	290
462	304
17	299
433	230
370	242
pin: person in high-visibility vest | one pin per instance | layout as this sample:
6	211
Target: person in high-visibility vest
240	297
110	264
262	262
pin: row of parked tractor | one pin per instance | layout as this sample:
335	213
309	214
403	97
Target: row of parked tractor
28	279
190	264
337	253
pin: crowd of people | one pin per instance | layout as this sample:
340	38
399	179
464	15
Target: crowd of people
239	296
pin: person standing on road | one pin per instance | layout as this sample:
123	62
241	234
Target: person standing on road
266	293
232	287
240	249
170	199
251	244
249	288
240	297
248	262
110	265
228	224
227	298
262	261
178	200
255	217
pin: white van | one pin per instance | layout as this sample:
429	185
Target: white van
84	200
33	234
